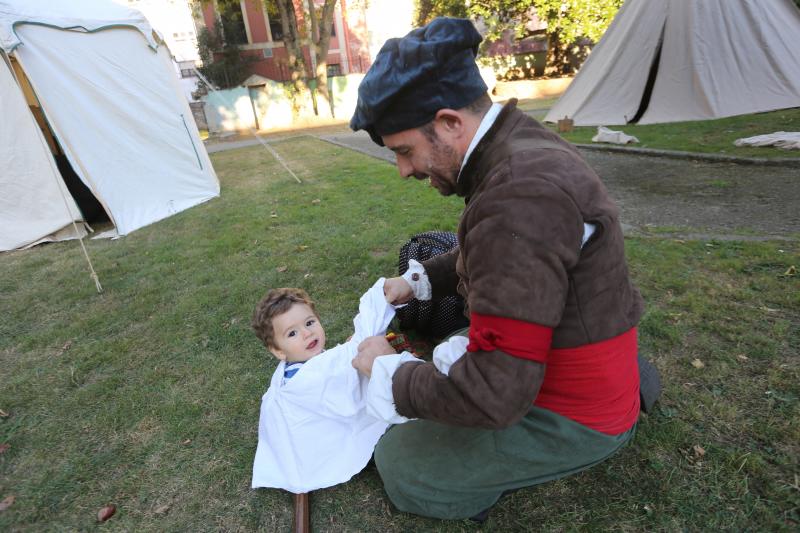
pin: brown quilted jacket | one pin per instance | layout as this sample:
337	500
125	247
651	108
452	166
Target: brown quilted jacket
527	194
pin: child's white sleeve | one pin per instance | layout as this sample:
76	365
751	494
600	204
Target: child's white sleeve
374	314
380	401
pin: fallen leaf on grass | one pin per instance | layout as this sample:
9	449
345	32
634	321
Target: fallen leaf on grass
791	271
3	414
162	510
699	451
283	268
648	508
741	357
697	363
316	201
302	248
7	502
63	349
4	448
273	215
106	512
187	442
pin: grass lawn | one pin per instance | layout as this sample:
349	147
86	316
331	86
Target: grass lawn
147	396
706	136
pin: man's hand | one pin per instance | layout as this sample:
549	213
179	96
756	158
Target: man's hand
370	349
397	291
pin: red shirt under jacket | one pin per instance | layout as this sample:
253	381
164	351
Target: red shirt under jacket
596	384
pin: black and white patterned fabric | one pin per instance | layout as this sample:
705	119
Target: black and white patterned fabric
437	319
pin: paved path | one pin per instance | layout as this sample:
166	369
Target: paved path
688	198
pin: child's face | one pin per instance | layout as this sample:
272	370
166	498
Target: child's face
298	334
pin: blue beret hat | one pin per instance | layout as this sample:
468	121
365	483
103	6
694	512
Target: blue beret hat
412	78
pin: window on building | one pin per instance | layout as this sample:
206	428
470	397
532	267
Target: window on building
232	21
274	17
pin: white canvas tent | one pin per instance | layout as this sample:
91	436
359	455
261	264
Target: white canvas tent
108	94
677	60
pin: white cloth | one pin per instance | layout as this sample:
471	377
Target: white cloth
314	430
380	401
788	140
605	135
449	352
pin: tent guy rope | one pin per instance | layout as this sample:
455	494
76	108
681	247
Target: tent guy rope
92	271
264	143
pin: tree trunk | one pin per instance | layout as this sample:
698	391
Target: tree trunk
294	48
320	44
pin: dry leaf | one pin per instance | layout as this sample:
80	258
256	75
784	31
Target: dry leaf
316	201
791	271
273	215
106	512
7	502
283	268
307	276
699	451
4	447
302	247
742	357
64	348
187	442
3	414
697	363
162	510
648	508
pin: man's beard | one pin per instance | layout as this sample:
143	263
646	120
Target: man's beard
444	167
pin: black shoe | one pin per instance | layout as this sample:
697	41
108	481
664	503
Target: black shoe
481	517
649	384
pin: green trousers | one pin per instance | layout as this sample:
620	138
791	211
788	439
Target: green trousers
441	471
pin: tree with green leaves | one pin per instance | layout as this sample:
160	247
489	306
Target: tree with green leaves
226	67
223	64
320	22
571	24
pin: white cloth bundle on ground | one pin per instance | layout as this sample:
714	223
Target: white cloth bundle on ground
605	135
314	430
788	140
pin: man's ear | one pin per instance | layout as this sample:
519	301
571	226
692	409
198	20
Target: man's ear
451	122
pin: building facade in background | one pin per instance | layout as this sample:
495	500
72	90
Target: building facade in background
359	29
174	20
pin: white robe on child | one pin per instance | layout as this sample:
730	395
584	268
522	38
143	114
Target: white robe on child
314	430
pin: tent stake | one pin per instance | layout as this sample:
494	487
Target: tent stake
301	512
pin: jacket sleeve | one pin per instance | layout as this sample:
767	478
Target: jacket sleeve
441	271
490	390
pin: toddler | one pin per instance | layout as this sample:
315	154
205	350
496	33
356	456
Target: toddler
314	429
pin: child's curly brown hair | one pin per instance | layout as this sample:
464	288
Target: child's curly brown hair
274	303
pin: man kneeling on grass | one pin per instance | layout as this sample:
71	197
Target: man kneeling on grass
549	383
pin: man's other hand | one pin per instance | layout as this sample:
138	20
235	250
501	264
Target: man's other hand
397	291
370	349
